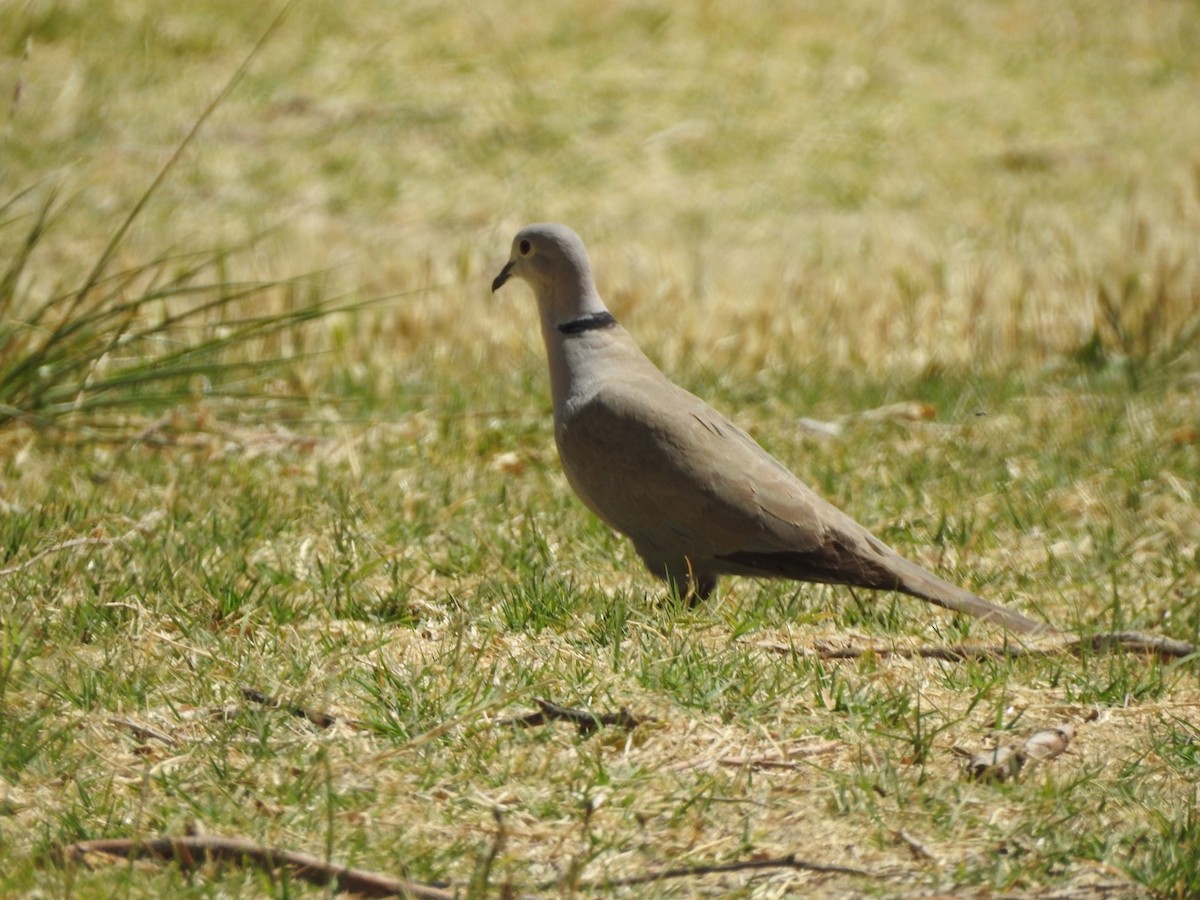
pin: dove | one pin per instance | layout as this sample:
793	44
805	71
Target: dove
697	496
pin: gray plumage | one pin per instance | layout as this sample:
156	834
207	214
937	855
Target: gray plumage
696	495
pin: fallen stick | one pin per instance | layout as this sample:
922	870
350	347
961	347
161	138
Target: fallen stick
585	720
145	732
1136	642
1109	641
318	718
144	526
190	852
780	862
791	759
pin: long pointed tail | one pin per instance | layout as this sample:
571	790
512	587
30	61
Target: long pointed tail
916	582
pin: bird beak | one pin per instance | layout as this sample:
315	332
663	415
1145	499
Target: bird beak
498	281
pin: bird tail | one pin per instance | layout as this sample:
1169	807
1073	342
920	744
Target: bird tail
846	561
916	582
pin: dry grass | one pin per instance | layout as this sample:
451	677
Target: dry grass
957	184
986	208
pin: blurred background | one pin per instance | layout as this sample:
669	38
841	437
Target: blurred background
835	186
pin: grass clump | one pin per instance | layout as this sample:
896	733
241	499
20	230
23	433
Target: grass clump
137	341
141	338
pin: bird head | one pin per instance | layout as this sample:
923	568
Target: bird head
552	260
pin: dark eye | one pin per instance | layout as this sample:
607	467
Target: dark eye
525	248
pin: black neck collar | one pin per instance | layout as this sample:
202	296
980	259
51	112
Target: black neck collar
589	322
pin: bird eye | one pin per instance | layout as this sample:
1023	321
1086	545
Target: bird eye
524	248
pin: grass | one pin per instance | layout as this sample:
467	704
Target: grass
991	209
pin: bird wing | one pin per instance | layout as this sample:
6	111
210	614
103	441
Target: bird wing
665	468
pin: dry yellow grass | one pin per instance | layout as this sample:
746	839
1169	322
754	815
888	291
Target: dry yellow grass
878	186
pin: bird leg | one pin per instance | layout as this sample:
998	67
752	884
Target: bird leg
699	587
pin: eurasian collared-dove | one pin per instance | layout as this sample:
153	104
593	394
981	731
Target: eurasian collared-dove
696	495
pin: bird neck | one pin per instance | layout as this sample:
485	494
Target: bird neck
569	345
590	322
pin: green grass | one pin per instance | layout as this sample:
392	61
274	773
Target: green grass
990	209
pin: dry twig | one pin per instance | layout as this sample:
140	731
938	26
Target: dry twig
780	862
193	851
1135	642
318	718
1111	641
190	852
145	732
585	720
144	526
791	759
